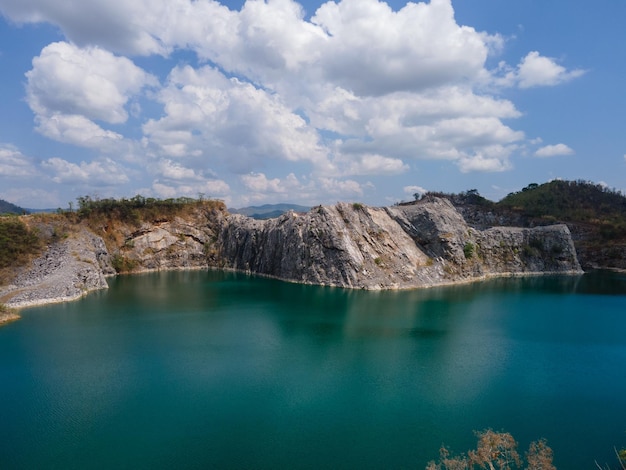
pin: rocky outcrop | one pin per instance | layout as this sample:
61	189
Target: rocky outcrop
67	270
344	245
351	245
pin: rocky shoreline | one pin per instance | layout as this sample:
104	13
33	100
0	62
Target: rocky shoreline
66	271
8	317
345	245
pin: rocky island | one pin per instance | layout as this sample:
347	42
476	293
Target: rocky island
350	245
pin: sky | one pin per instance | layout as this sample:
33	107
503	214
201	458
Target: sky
274	101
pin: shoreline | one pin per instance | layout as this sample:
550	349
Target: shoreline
41	302
9	316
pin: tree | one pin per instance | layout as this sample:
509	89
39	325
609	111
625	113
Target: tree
496	451
539	456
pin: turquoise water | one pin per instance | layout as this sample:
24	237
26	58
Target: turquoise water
223	370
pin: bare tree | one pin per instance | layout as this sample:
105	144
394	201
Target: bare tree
496	451
539	456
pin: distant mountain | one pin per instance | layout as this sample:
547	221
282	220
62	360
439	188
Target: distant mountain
8	208
268	211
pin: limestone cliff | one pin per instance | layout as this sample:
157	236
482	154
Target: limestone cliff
351	245
345	245
67	270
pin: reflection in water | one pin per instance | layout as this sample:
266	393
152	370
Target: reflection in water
224	370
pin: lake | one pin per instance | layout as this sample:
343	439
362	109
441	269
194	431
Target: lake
223	370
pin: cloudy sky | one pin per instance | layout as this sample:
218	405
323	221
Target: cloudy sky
275	101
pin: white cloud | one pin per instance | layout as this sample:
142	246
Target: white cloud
14	164
372	164
209	188
175	171
119	25
554	150
359	89
483	163
96	173
537	70
344	188
70	88
90	82
259	183
373	50
414	190
229	120
75	129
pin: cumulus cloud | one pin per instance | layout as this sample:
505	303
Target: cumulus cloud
112	24
412	190
208	114
75	129
339	187
373	50
105	172
358	89
372	164
536	70
91	82
209	188
554	150
260	183
175	171
70	88
483	163
14	164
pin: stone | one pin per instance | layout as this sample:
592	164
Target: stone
345	245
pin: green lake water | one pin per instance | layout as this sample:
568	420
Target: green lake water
222	370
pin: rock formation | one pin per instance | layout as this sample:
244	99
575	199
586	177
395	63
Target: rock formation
67	270
351	245
344	245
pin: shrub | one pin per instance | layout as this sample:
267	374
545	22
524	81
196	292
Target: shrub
468	250
122	264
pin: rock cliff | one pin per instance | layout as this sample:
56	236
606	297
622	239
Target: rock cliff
344	245
351	245
67	270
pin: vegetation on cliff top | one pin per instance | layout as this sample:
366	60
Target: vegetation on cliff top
557	200
571	201
18	244
24	238
595	214
139	209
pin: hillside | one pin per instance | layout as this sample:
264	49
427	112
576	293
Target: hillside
268	211
8	208
572	201
595	214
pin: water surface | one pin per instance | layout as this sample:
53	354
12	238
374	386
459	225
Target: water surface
222	370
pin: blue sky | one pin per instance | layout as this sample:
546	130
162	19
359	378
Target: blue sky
277	101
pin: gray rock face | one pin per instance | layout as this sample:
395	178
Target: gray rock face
345	245
350	245
66	271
